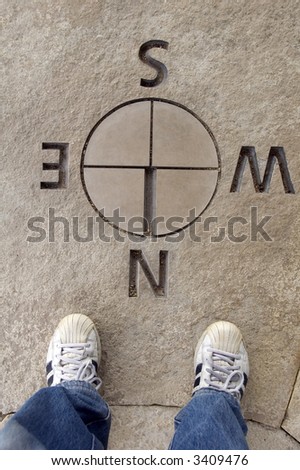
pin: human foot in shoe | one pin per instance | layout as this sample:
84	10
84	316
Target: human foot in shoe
74	352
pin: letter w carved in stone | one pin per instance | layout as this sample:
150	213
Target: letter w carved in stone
249	153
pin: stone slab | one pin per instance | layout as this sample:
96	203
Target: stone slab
262	437
114	193
291	423
236	65
189	203
151	427
180	140
129	130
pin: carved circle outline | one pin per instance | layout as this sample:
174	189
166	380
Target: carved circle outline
127	103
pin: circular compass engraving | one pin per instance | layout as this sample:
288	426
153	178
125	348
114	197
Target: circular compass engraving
150	167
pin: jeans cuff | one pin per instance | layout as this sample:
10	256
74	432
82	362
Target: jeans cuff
230	398
79	385
85	388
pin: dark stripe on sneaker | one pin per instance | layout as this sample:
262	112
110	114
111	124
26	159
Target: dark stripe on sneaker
50	381
49	367
242	388
96	365
198	369
197	382
49	373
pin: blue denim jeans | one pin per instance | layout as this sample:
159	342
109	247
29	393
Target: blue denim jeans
74	416
70	416
212	420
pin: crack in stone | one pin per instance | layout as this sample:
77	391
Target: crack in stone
290	398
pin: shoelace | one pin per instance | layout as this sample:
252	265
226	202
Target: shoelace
224	374
75	364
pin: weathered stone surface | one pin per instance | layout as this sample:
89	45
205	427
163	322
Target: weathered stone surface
151	427
262	437
236	65
291	423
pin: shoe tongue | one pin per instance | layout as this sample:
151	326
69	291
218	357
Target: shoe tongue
222	364
78	354
71	368
218	362
70	355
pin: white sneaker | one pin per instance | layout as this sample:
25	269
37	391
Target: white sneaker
221	360
74	352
